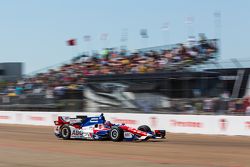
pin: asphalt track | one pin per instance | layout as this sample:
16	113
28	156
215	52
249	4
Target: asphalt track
36	146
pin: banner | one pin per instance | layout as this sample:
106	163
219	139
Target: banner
191	124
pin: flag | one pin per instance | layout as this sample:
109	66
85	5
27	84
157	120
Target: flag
124	35
71	42
87	38
165	27
189	20
144	33
217	14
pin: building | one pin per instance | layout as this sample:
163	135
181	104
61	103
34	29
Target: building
11	71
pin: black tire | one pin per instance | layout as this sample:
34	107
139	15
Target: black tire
116	134
144	128
65	132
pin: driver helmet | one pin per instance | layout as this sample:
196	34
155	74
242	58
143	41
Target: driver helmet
108	123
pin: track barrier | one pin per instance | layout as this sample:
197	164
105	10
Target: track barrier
192	124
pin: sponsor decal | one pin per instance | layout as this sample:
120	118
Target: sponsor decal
76	132
93	120
36	118
4	117
223	124
247	124
153	121
124	121
19	117
127	135
134	131
87	135
190	124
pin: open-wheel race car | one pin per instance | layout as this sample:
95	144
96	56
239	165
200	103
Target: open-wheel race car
97	128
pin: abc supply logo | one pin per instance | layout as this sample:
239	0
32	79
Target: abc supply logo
223	124
190	124
77	133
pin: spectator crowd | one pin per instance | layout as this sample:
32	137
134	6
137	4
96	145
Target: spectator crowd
111	61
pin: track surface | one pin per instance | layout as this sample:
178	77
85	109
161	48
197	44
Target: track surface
35	146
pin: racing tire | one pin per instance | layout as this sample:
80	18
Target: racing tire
144	128
65	132
116	134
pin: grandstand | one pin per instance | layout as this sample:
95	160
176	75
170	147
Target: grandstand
149	79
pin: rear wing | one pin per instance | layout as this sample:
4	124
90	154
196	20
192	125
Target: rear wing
61	120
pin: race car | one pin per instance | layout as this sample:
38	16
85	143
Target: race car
97	128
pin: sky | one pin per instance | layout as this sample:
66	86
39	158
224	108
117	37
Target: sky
35	31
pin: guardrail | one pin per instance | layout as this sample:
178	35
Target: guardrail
205	106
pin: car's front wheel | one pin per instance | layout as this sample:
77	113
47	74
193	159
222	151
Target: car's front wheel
144	128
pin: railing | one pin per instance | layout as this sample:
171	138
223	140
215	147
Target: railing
225	64
207	106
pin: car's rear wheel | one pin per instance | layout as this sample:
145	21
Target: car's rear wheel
116	134
144	128
65	132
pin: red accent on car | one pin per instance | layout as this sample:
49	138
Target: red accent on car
95	130
60	121
133	130
77	126
160	133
